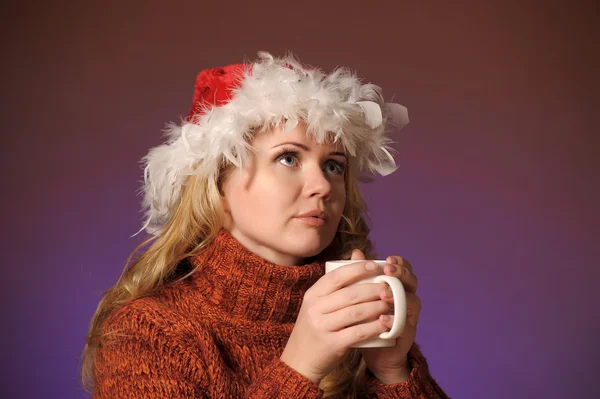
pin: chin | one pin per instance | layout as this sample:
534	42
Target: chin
307	248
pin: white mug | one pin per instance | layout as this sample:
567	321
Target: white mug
387	338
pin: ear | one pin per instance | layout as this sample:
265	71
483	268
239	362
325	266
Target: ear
221	186
227	218
225	204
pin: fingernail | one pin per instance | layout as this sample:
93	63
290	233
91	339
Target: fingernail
387	317
370	266
388	292
393	268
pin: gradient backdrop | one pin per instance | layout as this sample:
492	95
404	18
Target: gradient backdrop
495	202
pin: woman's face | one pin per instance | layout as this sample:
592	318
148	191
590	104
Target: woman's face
288	176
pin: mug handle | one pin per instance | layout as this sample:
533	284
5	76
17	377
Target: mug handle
399	306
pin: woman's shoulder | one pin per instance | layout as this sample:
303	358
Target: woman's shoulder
162	311
137	315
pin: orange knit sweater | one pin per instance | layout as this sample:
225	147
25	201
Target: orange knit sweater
219	334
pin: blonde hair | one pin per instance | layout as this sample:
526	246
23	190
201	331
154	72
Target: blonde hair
196	220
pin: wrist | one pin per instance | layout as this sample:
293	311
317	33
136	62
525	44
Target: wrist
395	375
304	371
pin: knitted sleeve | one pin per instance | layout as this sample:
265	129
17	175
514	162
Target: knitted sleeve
420	384
136	360
145	353
279	381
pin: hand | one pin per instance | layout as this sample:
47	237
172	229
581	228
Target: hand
390	365
334	316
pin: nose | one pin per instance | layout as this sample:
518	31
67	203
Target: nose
316	183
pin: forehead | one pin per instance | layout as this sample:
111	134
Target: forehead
278	135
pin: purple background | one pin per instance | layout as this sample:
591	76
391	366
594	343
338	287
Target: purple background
495	202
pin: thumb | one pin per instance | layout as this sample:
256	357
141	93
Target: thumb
357	254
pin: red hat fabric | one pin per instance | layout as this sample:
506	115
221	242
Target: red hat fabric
214	87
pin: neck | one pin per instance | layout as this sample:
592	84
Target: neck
265	252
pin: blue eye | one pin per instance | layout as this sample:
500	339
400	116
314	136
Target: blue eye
291	159
287	159
335	168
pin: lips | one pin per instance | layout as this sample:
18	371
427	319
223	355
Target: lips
315	213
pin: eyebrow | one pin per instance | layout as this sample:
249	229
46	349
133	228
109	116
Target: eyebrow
305	148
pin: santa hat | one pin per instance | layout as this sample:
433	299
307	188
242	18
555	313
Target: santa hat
230	103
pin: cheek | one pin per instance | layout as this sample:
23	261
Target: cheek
281	185
262	194
266	188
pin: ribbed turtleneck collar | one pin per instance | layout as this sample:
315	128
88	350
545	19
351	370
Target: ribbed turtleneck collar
246	286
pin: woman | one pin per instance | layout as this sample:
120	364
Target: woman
245	202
